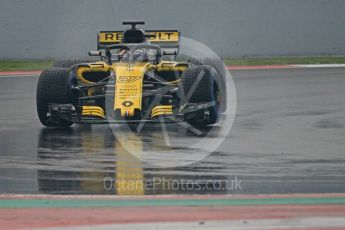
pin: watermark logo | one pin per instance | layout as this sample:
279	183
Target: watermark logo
173	185
171	142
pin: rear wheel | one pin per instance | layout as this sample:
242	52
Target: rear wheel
54	87
199	86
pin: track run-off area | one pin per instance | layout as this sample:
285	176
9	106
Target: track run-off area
285	154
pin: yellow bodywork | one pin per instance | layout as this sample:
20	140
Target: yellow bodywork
92	67
93	111
128	87
162	110
129	84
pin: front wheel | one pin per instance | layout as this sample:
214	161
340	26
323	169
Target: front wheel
199	86
53	87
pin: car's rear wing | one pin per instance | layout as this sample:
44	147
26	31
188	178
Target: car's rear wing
166	39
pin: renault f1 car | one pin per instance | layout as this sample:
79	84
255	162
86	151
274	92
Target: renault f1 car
131	83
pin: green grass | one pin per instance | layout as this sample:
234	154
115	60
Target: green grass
10	65
89	203
285	60
6	65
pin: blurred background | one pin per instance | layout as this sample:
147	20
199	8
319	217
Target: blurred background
39	29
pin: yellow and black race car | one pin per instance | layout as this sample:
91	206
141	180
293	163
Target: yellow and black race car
132	83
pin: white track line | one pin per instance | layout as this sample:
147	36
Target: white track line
321	66
26	75
250	224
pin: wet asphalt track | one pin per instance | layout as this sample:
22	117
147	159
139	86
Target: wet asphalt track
288	137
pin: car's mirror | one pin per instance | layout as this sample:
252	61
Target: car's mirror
95	53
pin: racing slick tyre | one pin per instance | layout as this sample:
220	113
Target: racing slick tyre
199	85
218	65
69	62
54	86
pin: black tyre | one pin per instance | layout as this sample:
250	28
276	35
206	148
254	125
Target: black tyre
219	66
54	86
199	85
69	62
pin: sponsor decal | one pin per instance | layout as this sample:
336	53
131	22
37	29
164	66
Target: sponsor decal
127	103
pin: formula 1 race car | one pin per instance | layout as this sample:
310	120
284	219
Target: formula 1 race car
132	83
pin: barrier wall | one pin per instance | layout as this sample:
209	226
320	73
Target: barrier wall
55	29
